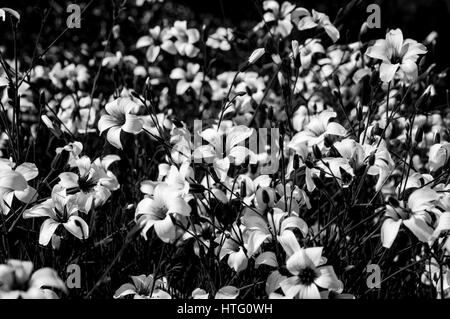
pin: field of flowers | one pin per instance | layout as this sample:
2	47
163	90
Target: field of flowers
178	156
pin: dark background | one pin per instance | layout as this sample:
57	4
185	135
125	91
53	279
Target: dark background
416	18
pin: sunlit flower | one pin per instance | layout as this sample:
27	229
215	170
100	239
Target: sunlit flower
185	39
93	183
120	118
159	39
223	155
59	210
277	18
235	249
315	131
157	212
189	78
415	217
14	184
220	39
397	53
308	270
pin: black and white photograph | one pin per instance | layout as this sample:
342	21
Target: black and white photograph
247	150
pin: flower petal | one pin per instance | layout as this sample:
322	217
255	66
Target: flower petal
48	228
77	227
389	231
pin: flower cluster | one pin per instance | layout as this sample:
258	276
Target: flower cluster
281	171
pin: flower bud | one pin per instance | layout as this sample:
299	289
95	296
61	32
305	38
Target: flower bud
316	151
256	55
419	135
243	189
336	80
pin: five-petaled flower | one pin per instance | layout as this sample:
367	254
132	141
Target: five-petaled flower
397	54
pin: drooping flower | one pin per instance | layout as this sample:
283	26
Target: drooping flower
397	54
120	118
306	20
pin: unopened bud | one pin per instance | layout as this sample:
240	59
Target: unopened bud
336	80
256	55
419	135
243	189
316	151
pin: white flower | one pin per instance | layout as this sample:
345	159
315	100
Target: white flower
18	281
415	217
438	155
59	210
220	39
315	131
305	20
120	118
191	78
277	18
159	39
144	287
308	270
14	183
186	38
93	184
234	151
157	212
395	54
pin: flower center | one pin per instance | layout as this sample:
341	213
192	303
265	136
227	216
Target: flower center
307	276
86	184
396	59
